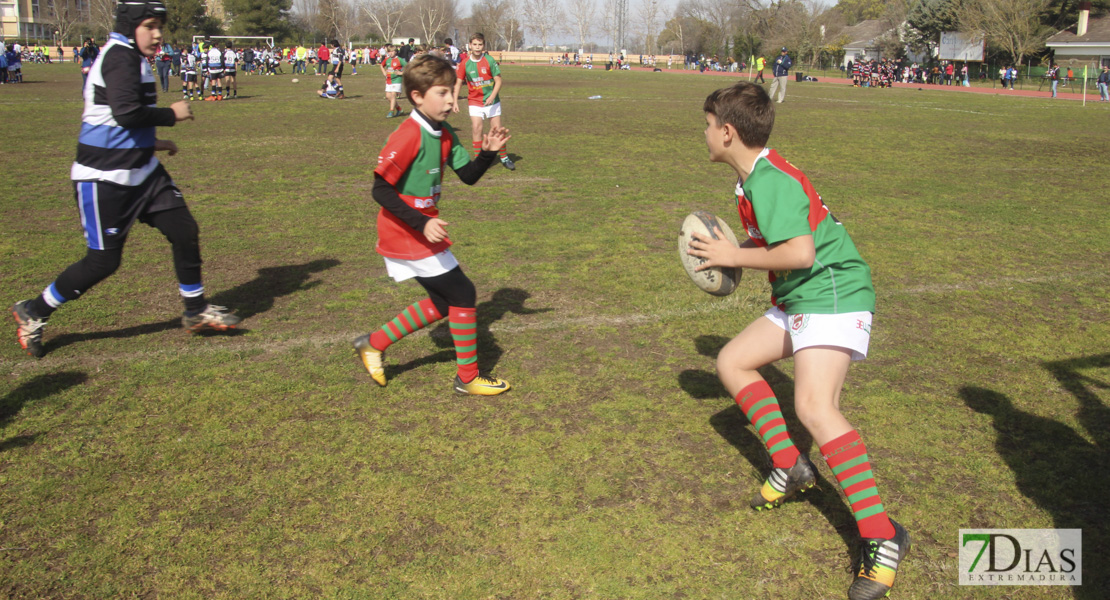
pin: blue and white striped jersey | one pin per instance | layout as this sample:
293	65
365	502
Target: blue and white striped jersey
117	137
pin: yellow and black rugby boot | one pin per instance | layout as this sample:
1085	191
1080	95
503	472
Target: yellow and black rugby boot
482	386
783	484
879	564
371	358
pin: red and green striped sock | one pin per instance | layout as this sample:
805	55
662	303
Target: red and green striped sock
464	330
477	147
413	318
503	153
847	457
759	404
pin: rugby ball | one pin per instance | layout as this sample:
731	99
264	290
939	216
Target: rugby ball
719	281
295	80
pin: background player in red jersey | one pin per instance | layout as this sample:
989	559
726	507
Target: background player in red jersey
411	236
483	80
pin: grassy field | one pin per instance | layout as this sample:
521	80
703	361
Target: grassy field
139	462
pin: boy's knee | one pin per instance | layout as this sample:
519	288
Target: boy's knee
102	263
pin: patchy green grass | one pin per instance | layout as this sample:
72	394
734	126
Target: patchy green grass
136	461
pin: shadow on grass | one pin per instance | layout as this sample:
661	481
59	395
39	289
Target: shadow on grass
257	295
1056	467
504	301
127	332
38	388
248	299
732	425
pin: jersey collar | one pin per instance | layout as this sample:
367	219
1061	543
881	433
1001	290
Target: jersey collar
425	124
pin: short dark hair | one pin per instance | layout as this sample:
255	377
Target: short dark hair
425	71
747	107
478	36
447	41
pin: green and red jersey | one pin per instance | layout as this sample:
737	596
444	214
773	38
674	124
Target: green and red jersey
777	203
479	75
412	161
394	67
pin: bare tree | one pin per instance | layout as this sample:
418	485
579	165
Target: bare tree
64	16
544	17
582	12
339	19
509	28
1013	25
648	19
722	14
433	17
308	13
386	16
102	15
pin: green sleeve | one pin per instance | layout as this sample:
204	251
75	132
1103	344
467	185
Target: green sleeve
781	206
494	68
459	156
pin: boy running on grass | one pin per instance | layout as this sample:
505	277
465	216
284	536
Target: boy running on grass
411	236
483	79
392	67
823	304
118	180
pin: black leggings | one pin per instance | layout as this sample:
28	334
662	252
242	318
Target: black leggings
453	288
179	227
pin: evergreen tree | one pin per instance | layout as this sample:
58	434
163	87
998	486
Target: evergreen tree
259	17
187	18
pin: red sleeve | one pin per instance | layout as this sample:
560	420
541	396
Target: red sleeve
399	152
460	71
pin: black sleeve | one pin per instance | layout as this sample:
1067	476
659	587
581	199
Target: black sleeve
126	96
386	195
473	170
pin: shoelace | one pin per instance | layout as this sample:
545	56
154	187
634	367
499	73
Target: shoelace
32	326
216	310
870	554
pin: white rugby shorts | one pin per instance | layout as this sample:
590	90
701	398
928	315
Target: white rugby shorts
851	331
401	269
486	112
393	87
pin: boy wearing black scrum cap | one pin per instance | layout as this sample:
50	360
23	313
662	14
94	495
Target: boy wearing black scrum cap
118	180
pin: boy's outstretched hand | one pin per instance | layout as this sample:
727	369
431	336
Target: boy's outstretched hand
182	111
496	138
435	230
165	146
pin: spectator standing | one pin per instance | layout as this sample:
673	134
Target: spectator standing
322	57
163	60
1053	76
780	70
88	54
1104	84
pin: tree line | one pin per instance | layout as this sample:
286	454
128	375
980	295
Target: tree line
813	31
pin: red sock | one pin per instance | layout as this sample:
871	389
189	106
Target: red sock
762	408
477	147
464	330
413	318
503	152
847	457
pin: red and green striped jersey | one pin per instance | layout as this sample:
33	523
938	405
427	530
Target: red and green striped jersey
412	161
778	203
393	69
479	75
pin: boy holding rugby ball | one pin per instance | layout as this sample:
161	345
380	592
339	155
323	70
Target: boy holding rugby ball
823	303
